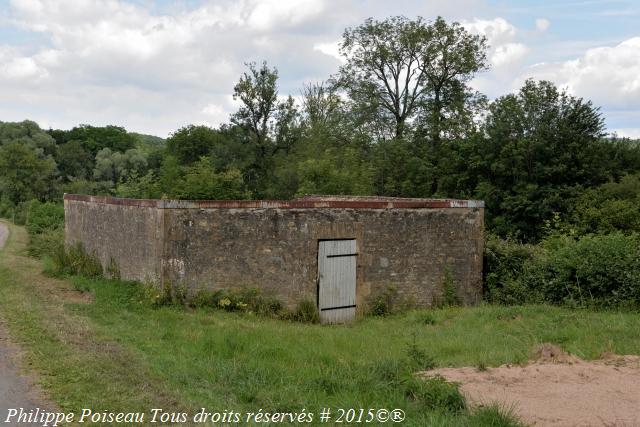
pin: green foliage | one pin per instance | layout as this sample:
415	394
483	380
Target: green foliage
495	416
44	216
74	161
190	143
594	270
543	147
95	138
48	242
144	187
25	174
335	172
390	85
402	168
435	393
114	166
419	359
75	260
201	181
249	300
504	264
449	296
384	303
306	312
591	271
610	207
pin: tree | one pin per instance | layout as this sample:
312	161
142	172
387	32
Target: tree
258	92
271	126
95	138
24	175
74	161
398	68
28	133
191	142
117	167
202	182
542	147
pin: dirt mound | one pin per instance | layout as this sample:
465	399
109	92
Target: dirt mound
558	389
549	353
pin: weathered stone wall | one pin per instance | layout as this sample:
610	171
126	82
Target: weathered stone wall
273	246
130	234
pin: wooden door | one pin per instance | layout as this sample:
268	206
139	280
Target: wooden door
337	280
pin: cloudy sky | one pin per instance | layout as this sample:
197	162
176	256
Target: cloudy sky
154	66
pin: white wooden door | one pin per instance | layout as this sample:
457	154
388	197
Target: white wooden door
337	280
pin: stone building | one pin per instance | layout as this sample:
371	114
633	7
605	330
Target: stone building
337	251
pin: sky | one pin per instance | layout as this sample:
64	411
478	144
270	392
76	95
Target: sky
156	66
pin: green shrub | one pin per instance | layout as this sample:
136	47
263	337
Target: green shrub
47	243
384	303
449	296
419	359
306	312
75	260
494	416
504	264
7	208
611	207
44	216
435	393
592	271
248	300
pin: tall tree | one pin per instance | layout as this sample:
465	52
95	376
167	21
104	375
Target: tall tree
271	126
543	147
258	92
398	68
24	174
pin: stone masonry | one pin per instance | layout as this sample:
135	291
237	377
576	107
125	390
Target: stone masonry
273	245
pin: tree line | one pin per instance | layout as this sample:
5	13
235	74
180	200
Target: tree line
398	118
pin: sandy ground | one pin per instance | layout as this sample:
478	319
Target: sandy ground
558	390
16	389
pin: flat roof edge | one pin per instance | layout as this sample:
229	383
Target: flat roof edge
280	204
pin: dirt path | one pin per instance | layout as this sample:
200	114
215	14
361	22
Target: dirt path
558	389
16	390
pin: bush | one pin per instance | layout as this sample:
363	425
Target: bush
75	260
595	270
385	302
306	312
614	206
435	393
495	416
245	299
504	264
599	271
449	296
47	243
42	217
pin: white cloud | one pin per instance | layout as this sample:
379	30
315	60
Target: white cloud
501	35
508	53
542	24
189	58
609	76
331	48
497	30
270	13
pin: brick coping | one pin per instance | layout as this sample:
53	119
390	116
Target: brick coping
330	202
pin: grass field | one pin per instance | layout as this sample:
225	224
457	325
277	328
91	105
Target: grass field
105	348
